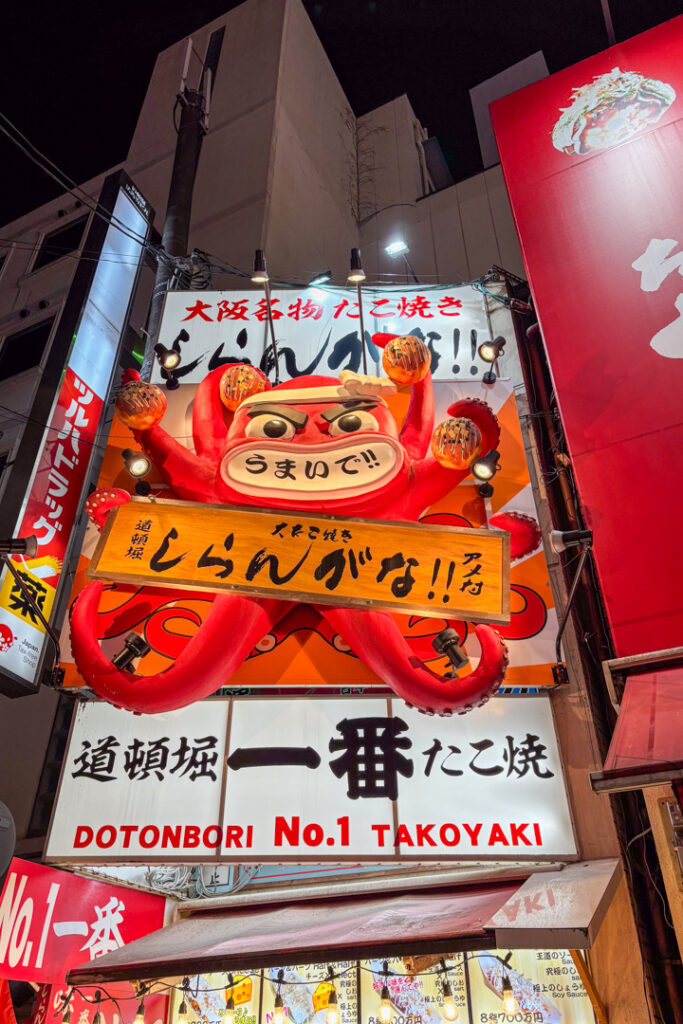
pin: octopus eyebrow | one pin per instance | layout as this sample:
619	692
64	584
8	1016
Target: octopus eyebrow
350	406
298	419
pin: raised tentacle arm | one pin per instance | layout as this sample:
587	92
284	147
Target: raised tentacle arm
209	428
234	625
376	638
416	432
189	476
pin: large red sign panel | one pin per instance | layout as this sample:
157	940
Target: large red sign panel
592	159
52	920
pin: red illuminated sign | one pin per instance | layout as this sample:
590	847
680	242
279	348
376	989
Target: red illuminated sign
592	159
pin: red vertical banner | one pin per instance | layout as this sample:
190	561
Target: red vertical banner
592	160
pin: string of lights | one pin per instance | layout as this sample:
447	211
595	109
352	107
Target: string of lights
385	1013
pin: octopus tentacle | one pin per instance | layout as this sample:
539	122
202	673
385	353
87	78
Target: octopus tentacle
416	432
376	638
229	632
525	533
209	426
186	474
483	416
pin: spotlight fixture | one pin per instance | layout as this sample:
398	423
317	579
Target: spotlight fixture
489	351
135	646
560	540
260	272
137	465
509	1002
356	272
322	278
20	546
397	248
448	642
168	358
449	1010
486	467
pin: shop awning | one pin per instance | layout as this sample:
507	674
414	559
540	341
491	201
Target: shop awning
549	906
646	747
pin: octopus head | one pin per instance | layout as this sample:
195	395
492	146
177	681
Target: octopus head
313	441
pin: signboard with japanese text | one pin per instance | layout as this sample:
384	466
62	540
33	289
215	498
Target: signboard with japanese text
545	984
118	1007
53	499
591	158
258	780
317	329
52	920
414	998
416	568
302	650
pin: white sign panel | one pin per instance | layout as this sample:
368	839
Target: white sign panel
317	330
272	779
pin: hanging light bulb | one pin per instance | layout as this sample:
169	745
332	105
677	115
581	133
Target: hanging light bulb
97	1019
449	1010
386	1010
279	1013
260	272
333	1016
66	1016
229	1013
356	272
140	1015
182	1012
509	1002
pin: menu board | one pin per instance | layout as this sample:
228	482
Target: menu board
415	999
545	984
305	992
209	993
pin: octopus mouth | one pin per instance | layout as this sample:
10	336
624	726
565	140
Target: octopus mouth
309	472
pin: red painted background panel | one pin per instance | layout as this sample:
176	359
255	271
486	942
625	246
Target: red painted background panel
583	221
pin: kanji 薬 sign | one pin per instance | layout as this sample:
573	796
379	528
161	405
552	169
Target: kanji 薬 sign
52	920
319	779
317	330
331	559
70	441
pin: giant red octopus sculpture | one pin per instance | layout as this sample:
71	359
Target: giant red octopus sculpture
323	417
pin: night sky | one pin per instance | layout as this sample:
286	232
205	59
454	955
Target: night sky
75	73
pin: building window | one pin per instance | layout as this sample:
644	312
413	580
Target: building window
60	242
24	350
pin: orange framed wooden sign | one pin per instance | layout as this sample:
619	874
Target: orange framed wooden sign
418	568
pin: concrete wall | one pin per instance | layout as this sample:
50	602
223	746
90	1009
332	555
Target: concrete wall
311	212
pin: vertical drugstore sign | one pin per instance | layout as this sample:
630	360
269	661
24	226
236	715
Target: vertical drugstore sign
71	442
592	159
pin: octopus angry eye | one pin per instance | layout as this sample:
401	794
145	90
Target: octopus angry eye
272	427
351	422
